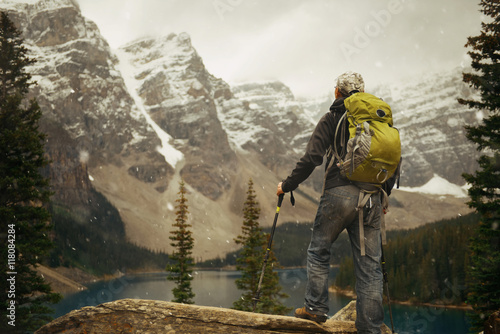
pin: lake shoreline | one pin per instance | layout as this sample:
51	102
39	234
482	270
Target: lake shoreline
344	292
217	288
351	294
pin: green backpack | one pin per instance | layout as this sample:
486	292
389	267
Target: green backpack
373	151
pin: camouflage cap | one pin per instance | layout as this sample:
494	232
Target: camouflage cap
349	81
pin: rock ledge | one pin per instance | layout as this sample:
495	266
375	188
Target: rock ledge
153	316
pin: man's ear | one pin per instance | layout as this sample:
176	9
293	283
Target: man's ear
338	94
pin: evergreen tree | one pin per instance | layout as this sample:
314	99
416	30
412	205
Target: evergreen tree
271	294
24	192
182	241
250	260
484	270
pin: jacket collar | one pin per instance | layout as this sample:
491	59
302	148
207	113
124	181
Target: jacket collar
338	105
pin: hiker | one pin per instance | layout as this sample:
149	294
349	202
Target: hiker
337	211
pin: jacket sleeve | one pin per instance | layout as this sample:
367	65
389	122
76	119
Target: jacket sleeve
316	148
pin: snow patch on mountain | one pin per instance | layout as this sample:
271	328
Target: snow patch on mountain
127	69
439	186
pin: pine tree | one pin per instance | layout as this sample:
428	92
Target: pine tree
484	270
250	260
24	192
183	242
271	294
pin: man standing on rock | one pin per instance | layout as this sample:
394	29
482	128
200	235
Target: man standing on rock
336	212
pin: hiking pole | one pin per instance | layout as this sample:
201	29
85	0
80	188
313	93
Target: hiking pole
268	250
386	281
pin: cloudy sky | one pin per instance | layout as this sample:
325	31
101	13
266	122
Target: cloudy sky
304	43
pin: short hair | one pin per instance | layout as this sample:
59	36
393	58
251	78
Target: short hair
350	82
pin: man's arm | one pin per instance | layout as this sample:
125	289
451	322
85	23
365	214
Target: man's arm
316	148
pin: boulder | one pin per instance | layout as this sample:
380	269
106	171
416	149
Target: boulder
348	313
154	316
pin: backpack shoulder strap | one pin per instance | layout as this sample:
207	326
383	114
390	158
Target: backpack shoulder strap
335	156
342	138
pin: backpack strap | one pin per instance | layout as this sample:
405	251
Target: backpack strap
365	192
385	205
364	196
342	139
335	156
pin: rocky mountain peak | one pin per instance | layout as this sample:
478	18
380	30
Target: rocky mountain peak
166	60
178	93
172	49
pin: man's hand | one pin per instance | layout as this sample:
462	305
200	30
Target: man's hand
279	191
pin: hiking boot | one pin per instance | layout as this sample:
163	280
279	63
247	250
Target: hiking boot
303	314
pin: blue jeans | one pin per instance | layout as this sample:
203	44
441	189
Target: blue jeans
336	212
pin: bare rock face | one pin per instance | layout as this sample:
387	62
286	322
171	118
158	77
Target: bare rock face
152	316
68	170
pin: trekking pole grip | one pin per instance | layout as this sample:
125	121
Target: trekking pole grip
280	200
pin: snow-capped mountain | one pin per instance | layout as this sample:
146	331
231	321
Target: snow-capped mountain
431	124
88	112
174	89
131	123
